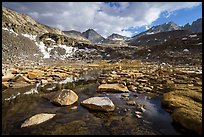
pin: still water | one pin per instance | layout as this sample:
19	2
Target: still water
22	103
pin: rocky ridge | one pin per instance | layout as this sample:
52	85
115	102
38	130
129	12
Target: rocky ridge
196	26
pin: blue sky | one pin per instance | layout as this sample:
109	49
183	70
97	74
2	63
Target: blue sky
125	18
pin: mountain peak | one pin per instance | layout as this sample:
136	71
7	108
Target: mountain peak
116	36
93	36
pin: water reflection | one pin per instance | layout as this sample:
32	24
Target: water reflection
122	120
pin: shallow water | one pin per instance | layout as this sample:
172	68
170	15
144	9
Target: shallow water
75	119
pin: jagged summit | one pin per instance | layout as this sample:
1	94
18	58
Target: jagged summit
196	26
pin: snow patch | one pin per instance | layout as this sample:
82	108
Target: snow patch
10	31
31	37
149	33
50	39
192	36
184	38
69	50
117	39
42	48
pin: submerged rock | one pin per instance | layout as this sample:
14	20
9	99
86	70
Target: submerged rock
113	88
99	103
62	97
37	119
131	103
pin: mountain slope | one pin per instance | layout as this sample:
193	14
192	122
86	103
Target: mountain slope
22	23
158	38
76	35
115	39
25	41
115	36
93	36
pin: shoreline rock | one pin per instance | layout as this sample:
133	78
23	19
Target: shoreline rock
117	88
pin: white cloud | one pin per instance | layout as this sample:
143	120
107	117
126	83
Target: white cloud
84	15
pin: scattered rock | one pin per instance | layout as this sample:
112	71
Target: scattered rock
5	85
132	88
138	112
44	81
99	103
21	78
14	71
8	76
37	119
35	74
112	88
138	116
141	108
131	103
125	95
147	88
198	83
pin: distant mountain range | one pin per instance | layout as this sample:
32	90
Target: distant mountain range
170	26
96	38
196	26
25	24
162	33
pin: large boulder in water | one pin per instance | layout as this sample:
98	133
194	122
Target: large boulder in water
112	88
62	97
37	119
99	103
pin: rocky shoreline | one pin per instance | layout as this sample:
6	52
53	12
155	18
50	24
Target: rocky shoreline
177	84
